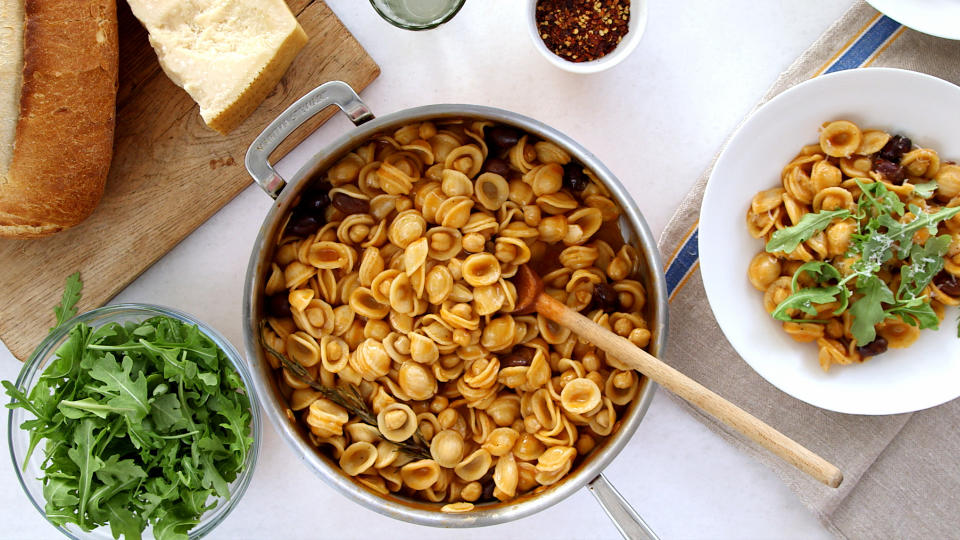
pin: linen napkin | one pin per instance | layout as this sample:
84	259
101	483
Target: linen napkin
901	471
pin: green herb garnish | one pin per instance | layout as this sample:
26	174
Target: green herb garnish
144	424
925	190
867	311
71	295
879	238
787	240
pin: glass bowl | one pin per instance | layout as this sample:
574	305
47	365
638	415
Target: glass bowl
19	440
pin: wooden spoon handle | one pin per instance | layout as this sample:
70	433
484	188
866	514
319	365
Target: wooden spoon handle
692	391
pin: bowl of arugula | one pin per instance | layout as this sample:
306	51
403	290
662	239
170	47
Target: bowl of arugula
133	420
922	108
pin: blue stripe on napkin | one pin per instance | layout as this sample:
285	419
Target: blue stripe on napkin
869	42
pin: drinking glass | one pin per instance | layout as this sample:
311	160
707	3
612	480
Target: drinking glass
417	14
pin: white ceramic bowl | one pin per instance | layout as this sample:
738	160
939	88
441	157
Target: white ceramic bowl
939	18
638	22
922	107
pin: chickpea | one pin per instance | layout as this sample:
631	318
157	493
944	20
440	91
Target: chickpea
763	270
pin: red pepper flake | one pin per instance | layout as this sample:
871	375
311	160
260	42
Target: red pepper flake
582	30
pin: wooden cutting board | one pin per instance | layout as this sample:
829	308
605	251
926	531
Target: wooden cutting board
169	174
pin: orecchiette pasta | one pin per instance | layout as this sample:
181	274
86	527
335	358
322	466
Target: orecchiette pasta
843	173
447	448
400	288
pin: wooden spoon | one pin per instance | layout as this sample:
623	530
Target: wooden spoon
530	298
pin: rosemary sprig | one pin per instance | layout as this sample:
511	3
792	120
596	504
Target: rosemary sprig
349	398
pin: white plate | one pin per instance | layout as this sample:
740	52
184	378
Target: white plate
939	18
922	107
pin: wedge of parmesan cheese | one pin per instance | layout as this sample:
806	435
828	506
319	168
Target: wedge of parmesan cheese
227	54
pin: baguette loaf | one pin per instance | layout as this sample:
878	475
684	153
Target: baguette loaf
227	54
58	86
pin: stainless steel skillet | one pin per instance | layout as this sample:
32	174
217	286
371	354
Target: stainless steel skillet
286	192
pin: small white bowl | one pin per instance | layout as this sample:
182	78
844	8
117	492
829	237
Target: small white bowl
638	22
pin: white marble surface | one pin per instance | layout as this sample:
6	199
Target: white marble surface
655	120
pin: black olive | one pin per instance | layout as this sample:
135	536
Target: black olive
502	137
497	166
895	148
513	360
350	205
875	347
488	487
574	177
303	224
278	305
314	201
381	145
948	283
890	171
605	298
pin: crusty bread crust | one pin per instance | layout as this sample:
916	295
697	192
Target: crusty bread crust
64	138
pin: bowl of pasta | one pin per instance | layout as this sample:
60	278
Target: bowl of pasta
830	241
378	310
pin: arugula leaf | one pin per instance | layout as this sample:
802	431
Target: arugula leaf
212	478
787	240
119	471
171	526
68	355
165	411
803	300
867	311
902	234
237	419
71	295
61	491
873	248
820	271
124	522
20	399
926	261
125	394
925	190
82	456
80	408
876	199
882	238
921	314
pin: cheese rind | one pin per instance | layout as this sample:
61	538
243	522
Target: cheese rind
227	54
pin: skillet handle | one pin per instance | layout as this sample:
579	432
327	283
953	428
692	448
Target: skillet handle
331	93
624	517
